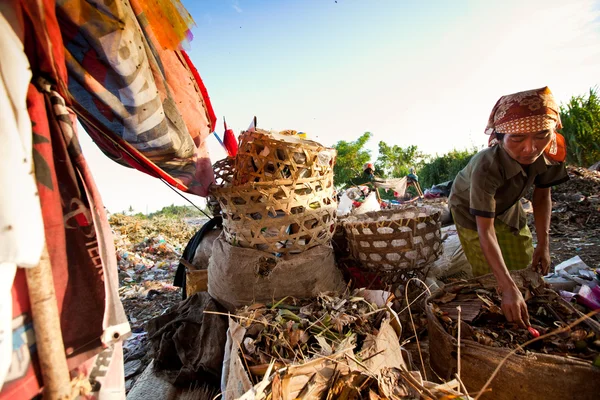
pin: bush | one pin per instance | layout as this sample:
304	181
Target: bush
444	168
581	129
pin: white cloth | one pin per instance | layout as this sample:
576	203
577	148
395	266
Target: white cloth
21	224
398	185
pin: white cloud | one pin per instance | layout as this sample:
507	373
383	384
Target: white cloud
236	7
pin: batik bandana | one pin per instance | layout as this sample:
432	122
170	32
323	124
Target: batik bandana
526	112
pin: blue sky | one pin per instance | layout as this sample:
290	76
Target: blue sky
411	72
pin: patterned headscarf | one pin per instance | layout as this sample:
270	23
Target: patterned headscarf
526	112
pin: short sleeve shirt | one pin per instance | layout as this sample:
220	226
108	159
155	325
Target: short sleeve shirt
492	184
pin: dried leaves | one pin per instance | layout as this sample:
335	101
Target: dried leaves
292	331
489	327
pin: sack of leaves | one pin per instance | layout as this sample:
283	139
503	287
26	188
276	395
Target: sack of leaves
559	365
307	342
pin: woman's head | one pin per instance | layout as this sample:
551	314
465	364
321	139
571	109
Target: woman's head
526	123
525	148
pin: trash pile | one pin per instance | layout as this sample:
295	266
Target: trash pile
576	203
148	253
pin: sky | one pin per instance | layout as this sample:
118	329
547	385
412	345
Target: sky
423	73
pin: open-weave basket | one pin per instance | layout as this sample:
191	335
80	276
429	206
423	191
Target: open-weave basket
279	217
223	170
267	156
391	241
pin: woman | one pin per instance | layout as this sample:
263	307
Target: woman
525	150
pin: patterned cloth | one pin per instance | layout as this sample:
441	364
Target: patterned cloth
516	247
525	112
143	104
75	227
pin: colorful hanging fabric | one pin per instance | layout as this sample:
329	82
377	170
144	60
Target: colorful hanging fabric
142	104
76	230
169	20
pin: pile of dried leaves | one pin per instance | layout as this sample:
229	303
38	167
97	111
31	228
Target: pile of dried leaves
347	384
485	322
293	331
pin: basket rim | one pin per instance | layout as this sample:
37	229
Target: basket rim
283	140
373	216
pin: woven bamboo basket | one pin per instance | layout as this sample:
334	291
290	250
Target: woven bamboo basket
392	241
223	170
267	156
279	217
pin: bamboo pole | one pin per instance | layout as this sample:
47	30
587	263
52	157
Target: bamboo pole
48	336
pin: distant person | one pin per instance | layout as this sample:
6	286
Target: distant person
368	174
525	150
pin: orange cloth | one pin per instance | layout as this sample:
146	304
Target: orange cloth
525	112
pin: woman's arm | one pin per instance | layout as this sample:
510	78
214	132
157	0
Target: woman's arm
542	210
513	305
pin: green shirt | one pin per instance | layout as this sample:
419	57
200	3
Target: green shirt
492	184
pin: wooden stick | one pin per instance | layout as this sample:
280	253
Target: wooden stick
48	336
458	346
592	323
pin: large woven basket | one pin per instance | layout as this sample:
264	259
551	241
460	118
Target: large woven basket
279	218
390	241
268	156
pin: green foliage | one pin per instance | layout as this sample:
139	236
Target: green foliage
395	161
445	167
351	156
581	129
174	211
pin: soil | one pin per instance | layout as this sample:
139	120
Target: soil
575	223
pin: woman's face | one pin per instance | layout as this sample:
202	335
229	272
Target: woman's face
525	148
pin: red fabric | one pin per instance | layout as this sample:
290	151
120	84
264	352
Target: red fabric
231	145
365	279
71	238
209	108
118	149
45	48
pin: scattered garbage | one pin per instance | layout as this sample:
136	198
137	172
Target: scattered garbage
148	253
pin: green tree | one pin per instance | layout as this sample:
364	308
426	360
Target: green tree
445	167
581	128
395	161
351	156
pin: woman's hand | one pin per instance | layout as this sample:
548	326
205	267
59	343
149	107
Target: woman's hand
541	259
514	307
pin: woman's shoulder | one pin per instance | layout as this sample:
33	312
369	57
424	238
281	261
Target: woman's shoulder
485	157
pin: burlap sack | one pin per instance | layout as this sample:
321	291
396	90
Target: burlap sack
531	376
239	276
204	249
